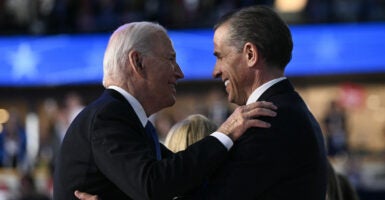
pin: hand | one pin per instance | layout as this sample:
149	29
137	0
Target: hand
244	117
85	196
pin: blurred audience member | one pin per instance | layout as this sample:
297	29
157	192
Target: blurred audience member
13	141
339	187
49	134
188	131
163	123
335	129
218	108
28	190
74	104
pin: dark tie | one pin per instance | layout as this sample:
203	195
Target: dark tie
150	129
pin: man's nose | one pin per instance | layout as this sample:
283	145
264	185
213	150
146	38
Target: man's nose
216	72
178	72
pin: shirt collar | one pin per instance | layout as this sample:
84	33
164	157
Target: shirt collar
138	108
261	89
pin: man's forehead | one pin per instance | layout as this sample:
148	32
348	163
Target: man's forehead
168	48
222	30
163	43
220	35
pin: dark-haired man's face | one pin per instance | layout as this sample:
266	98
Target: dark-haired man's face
230	66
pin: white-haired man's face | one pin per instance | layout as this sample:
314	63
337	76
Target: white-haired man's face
162	71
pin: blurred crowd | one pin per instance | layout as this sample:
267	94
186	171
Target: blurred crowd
28	168
89	16
27	152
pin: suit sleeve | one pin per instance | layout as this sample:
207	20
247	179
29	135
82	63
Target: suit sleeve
249	170
124	155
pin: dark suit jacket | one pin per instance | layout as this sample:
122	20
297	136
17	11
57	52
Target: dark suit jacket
107	152
286	161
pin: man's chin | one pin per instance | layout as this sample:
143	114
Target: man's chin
234	101
230	99
172	101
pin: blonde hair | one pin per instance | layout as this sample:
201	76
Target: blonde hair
188	131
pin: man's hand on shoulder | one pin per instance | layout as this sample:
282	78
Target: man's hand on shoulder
244	117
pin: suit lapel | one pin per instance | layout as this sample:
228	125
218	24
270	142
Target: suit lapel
110	93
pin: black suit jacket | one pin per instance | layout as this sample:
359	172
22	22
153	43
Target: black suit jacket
107	152
286	161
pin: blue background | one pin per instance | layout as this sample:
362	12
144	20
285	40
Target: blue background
77	59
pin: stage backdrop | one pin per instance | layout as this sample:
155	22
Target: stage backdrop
77	59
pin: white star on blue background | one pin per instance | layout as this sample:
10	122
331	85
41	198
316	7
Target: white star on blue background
24	62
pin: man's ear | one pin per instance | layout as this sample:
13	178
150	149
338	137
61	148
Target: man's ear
136	62
251	54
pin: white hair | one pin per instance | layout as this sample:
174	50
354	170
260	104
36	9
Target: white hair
132	36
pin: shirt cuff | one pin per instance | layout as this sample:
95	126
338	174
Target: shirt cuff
224	139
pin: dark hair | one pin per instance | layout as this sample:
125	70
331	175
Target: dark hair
264	28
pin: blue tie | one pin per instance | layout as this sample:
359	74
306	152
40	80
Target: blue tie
150	129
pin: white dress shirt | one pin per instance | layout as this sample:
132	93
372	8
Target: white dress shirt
261	89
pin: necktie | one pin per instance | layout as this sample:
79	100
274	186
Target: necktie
150	129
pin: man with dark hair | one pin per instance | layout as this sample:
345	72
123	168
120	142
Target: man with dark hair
287	161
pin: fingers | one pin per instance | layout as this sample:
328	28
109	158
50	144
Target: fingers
261	104
259	108
85	196
257	112
243	118
257	123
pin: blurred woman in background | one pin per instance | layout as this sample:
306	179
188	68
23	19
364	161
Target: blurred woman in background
188	131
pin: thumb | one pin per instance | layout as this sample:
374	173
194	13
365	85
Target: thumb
84	196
